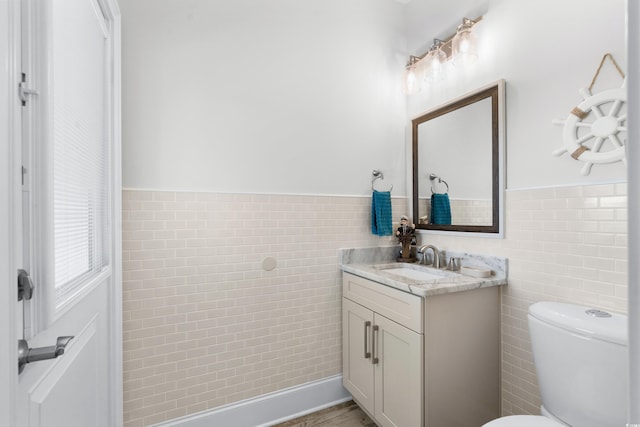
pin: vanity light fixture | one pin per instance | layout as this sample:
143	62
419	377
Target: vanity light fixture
460	48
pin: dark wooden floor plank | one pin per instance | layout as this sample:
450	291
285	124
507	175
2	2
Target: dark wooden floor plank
346	414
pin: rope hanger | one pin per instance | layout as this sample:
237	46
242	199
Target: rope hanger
583	114
615	64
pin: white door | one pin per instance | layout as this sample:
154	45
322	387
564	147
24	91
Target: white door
62	217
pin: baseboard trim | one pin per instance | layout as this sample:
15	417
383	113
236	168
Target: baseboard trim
272	408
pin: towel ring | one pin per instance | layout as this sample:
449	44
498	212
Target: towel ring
378	175
433	177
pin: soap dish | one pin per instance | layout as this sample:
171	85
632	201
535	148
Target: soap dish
475	271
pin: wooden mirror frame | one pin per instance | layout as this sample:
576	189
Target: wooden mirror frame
495	91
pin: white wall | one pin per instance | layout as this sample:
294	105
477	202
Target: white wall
209	105
546	51
277	96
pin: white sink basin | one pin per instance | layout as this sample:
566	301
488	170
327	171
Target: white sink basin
416	274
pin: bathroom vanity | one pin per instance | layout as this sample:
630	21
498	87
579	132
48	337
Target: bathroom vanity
423	348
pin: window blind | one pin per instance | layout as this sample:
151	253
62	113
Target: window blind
81	157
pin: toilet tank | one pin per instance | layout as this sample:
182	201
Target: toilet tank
581	358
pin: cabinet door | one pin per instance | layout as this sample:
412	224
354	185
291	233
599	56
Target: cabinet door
357	369
398	374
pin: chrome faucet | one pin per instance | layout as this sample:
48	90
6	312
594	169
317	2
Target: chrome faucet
436	255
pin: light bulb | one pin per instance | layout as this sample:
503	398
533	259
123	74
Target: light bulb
413	76
410	80
434	67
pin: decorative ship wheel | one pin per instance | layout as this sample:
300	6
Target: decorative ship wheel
601	139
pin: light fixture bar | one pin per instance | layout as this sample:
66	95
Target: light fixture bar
446	43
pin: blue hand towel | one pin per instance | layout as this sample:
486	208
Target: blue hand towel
440	209
381	213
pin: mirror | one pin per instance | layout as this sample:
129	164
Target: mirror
457	164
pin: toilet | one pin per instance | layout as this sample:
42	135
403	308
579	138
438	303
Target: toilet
581	359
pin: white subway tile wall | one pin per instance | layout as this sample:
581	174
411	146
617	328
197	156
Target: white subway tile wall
464	211
205	325
471	212
571	246
563	244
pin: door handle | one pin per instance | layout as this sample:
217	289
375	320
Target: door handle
367	353
28	355
374	345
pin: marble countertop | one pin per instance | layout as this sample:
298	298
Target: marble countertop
370	263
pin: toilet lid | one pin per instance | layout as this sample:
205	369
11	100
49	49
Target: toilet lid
523	421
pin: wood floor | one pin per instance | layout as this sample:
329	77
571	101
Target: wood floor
346	414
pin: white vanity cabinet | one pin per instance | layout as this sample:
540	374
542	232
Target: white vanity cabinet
412	361
382	351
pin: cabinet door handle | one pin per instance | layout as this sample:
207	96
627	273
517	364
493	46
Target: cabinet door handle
367	353
374	360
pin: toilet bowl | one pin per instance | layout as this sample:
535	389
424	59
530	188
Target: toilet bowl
524	421
580	355
544	420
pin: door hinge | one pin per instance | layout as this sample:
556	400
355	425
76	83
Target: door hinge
25	286
24	91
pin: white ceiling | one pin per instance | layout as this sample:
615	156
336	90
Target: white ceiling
429	19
